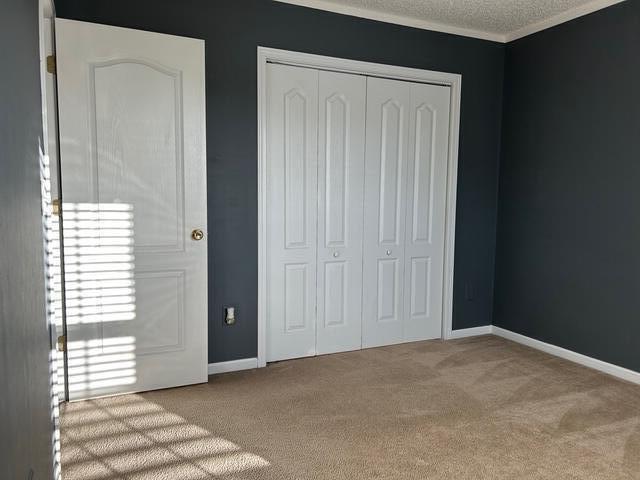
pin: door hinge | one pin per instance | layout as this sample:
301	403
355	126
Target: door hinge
51	64
62	343
55	207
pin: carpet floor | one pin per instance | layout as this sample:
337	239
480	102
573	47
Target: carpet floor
478	408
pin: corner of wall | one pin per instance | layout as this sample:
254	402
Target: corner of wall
497	174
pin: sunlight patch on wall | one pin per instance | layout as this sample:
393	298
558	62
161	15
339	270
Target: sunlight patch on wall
54	306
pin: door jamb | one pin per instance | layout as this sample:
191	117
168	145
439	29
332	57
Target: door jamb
452	80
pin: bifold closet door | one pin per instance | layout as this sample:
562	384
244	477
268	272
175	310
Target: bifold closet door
356	185
388	105
426	207
407	138
292	185
340	211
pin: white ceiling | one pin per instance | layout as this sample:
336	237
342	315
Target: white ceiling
499	20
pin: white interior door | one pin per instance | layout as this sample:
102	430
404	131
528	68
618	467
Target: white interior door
132	135
292	184
426	206
340	203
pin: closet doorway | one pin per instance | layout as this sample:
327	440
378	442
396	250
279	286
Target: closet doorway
357	167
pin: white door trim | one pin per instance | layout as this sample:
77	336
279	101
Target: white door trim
453	80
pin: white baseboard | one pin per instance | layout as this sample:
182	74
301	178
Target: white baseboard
470	332
590	362
609	368
233	366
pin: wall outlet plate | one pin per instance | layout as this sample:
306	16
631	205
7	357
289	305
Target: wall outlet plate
230	315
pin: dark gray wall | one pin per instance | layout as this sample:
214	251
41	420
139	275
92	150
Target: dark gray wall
568	263
25	416
232	30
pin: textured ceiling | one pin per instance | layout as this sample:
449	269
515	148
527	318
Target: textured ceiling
500	17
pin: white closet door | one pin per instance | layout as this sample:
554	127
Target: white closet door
292	185
426	204
340	197
388	106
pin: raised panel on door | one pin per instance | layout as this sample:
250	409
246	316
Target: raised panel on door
292	124
132	147
340	201
426	204
128	94
159	309
387	126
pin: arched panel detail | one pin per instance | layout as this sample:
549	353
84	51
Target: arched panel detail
390	172
337	165
136	147
423	165
295	169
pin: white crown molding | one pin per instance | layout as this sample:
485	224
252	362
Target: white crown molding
590	362
563	17
396	19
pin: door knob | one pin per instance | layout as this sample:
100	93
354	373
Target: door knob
336	254
388	252
197	235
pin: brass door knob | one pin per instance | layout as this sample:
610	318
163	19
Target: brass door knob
197	235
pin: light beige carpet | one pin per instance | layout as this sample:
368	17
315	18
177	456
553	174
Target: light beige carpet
481	408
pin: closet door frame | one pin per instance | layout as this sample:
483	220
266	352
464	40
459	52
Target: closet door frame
454	81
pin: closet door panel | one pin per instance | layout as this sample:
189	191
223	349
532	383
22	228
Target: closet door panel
388	103
425	213
340	199
291	211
